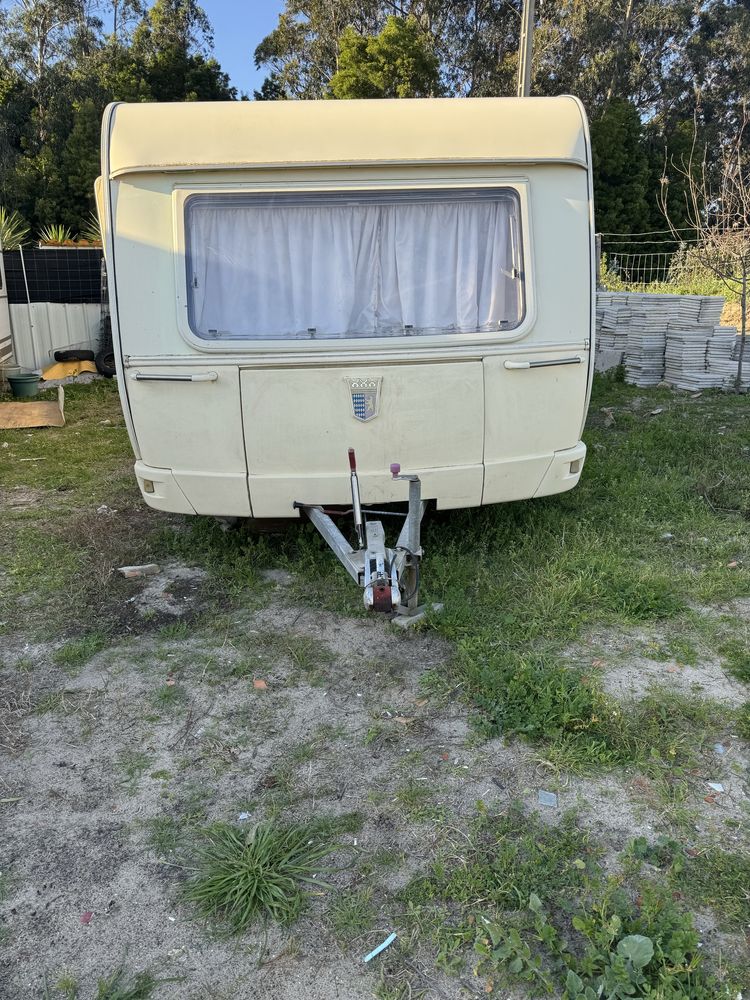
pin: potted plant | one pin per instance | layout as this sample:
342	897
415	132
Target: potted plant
56	236
13	230
59	237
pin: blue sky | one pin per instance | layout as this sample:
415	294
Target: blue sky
238	27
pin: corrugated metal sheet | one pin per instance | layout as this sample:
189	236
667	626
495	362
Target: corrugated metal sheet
45	327
6	344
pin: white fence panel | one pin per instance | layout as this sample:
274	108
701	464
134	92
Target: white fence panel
45	327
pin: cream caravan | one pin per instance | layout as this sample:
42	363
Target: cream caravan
410	279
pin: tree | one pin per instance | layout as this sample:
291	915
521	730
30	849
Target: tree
398	62
173	42
57	72
621	170
718	207
302	51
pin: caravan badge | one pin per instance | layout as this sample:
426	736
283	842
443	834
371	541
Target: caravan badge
365	393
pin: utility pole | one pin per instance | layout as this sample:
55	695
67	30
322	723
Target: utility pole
525	49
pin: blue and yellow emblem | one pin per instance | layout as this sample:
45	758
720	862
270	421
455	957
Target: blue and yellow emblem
365	396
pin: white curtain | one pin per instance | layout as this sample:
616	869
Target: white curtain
352	270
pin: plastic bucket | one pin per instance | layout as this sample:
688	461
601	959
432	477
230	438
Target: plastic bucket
24	385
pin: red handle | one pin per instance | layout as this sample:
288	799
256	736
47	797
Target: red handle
352	460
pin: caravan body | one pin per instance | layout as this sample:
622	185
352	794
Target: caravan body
413	279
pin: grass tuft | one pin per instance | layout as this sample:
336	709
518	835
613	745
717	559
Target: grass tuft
743	721
262	874
77	652
352	914
121	986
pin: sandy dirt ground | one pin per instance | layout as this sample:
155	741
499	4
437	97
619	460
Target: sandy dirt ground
280	711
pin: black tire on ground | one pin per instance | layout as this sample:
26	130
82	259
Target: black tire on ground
74	356
105	363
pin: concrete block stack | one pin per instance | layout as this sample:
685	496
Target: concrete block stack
671	338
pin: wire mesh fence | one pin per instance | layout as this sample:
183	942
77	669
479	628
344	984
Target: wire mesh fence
636	270
635	261
660	262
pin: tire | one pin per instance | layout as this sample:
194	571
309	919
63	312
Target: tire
105	362
74	356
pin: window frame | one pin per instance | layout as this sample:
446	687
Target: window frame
423	188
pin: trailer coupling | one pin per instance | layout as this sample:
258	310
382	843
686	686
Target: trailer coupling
389	577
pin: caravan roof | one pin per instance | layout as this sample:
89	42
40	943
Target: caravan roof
247	134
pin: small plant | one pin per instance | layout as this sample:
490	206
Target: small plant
121	986
56	235
133	764
243	876
622	951
91	231
165	835
663	853
77	652
13	230
168	696
352	914
415	801
502	947
175	630
68	986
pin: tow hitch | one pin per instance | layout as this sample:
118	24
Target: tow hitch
389	577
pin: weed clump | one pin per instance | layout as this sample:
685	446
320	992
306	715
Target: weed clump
613	948
121	986
261	874
545	701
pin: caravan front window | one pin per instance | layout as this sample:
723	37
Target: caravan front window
355	264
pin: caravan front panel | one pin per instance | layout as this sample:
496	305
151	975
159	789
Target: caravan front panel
411	278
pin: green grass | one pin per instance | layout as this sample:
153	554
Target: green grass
173	833
719	879
132	764
611	946
168	697
736	657
416	802
120	985
707	876
743	721
243	876
77	652
352	914
330	827
80	460
165	835
536	903
525	586
68	986
507	857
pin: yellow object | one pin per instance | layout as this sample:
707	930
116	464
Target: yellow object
67	369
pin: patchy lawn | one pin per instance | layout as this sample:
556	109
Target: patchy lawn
543	791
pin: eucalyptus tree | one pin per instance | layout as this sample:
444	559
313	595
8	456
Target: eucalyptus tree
400	61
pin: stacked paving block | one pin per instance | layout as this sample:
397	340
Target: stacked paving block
667	338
